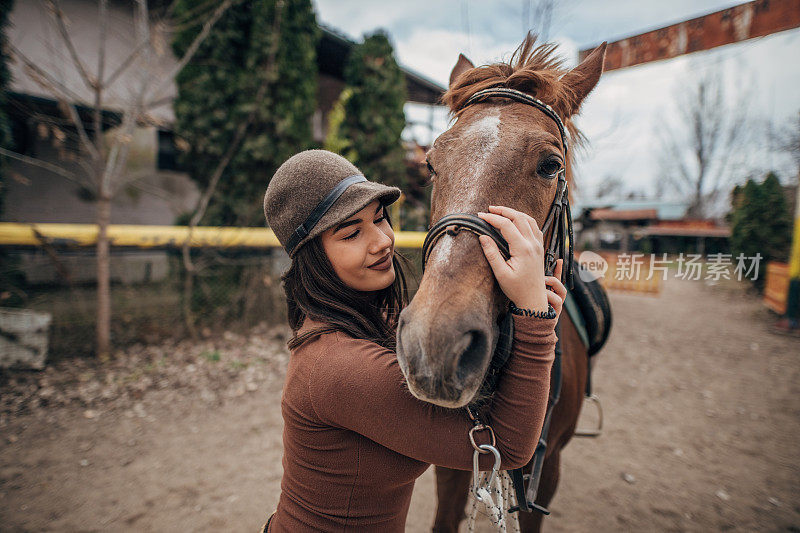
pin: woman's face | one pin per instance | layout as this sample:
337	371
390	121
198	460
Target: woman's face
361	249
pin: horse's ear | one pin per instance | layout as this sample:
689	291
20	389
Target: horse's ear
462	65
583	78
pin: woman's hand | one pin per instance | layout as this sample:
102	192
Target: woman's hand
557	292
522	278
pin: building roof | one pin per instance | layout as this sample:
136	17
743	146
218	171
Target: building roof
686	228
333	49
667	210
623	214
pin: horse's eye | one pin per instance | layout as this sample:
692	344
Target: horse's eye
549	168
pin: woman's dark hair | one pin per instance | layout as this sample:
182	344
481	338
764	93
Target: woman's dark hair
314	289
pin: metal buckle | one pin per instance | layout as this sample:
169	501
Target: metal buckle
478	447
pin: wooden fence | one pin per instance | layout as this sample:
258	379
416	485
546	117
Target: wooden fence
776	286
628	276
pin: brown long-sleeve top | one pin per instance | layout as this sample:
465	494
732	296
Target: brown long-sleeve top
355	439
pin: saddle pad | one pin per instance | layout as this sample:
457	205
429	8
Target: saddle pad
588	306
571	308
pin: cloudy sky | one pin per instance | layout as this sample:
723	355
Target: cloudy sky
623	116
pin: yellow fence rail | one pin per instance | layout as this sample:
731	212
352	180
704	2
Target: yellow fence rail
154	237
139	236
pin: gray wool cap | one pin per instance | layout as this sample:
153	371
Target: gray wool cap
314	190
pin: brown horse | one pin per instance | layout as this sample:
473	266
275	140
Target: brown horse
494	154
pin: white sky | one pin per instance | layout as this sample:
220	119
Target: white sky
623	113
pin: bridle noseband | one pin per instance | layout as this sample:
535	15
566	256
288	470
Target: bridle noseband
559	218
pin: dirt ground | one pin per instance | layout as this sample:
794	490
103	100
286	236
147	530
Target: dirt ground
701	433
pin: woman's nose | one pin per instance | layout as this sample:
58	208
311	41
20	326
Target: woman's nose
381	241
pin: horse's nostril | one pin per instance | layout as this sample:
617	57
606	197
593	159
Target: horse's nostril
472	358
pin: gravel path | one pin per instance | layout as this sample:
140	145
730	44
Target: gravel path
702	432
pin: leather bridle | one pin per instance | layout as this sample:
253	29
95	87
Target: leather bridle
559	225
558	222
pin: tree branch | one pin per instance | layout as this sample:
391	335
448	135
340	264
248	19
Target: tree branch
161	101
169	78
131	114
153	190
55	169
188	19
125	63
41	77
58	14
61	93
98	91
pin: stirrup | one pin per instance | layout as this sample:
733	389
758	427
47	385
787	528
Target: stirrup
593	399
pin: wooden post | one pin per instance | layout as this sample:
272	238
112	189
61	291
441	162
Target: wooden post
793	298
395	207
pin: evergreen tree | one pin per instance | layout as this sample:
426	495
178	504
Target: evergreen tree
334	140
760	222
12	278
216	91
5	81
778	222
374	117
745	220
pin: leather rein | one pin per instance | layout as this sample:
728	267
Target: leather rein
560	246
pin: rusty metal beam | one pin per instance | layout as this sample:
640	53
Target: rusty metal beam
738	23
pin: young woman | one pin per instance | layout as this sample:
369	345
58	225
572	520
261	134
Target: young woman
355	439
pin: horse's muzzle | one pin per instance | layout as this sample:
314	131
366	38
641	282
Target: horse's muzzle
444	363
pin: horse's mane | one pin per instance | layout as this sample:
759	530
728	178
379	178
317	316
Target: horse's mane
533	69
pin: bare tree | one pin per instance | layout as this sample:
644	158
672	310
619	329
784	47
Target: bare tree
535	16
701	155
611	187
104	157
788	140
542	17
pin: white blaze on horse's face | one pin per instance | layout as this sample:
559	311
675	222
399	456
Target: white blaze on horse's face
483	136
447	335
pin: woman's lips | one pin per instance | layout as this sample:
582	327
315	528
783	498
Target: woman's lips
384	264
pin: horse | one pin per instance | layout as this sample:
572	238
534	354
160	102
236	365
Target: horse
498	151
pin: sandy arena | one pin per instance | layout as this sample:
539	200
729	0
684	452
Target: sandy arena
701	432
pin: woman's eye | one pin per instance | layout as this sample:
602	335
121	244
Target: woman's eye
549	168
356	232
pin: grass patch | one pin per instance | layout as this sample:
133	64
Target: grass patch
213	356
237	365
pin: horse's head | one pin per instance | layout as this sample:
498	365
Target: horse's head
498	152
